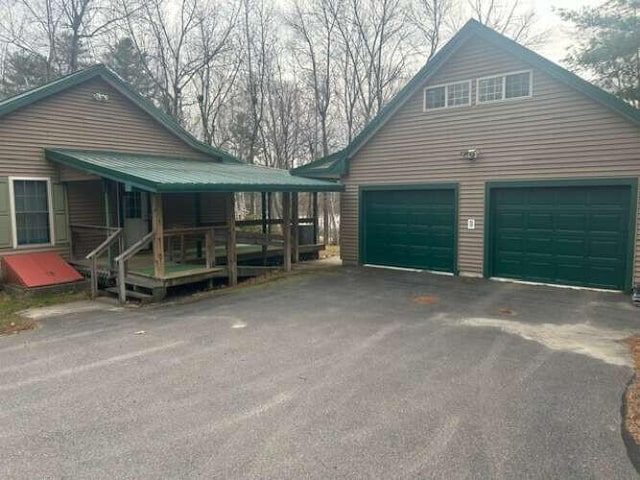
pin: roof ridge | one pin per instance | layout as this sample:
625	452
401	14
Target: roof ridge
340	164
65	82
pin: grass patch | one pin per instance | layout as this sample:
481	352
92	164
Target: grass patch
12	322
632	415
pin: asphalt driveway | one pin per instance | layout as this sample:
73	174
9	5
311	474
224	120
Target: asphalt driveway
334	374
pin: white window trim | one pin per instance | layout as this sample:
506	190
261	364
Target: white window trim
12	207
446	96
504	87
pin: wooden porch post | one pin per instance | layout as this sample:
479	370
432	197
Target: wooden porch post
295	230
286	230
263	204
158	234
315	218
232	259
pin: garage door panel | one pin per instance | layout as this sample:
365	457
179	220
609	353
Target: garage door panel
568	235
410	228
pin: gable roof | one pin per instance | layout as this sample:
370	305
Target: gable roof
34	95
337	164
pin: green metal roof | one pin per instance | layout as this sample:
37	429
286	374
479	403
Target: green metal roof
100	71
167	174
337	164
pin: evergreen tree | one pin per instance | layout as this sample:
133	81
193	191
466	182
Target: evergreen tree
23	71
125	59
609	48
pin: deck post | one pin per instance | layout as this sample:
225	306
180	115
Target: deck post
286	229
295	230
210	248
315	218
232	259
158	235
263	199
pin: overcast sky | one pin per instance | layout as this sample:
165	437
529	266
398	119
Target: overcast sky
559	34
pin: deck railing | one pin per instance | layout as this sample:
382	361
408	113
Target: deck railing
115	235
121	262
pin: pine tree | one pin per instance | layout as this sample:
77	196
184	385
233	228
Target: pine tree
609	48
128	62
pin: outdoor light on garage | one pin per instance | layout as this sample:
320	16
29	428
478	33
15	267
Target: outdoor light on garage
470	154
101	97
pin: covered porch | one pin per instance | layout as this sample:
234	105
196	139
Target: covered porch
142	224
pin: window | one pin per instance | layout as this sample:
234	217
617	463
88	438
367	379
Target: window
447	96
517	85
435	97
31	209
504	87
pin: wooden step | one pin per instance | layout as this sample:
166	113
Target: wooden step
142	297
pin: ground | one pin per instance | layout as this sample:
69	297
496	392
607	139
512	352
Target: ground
343	373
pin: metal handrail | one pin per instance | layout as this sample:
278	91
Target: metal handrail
121	261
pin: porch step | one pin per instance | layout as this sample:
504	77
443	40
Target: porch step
142	297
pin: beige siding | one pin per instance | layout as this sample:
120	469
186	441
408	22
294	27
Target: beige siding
557	134
73	119
86	207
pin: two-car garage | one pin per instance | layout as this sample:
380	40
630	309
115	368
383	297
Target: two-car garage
576	233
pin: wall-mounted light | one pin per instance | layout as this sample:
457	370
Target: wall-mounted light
470	154
101	97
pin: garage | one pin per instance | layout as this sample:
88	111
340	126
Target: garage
572	235
411	227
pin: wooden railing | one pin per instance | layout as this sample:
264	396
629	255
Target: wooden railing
114	235
182	234
84	238
121	262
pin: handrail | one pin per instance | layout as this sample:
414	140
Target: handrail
104	245
92	227
135	248
96	252
121	261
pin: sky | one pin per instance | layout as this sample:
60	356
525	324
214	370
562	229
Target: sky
559	32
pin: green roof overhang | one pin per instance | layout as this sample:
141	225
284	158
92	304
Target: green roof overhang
175	175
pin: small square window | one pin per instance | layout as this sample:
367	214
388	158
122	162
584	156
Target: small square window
435	97
490	89
458	94
518	85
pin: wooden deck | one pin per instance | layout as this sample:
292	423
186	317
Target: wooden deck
141	268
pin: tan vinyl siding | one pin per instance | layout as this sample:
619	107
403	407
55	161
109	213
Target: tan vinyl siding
86	207
557	134
73	119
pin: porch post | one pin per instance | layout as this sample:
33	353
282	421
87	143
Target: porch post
315	218
232	259
158	234
295	230
263	204
286	230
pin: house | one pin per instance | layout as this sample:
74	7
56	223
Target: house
494	162
94	172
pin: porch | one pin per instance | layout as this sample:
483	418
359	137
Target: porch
136	237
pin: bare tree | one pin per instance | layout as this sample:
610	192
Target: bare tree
428	18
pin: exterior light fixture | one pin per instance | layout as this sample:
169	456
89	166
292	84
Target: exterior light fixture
470	154
101	97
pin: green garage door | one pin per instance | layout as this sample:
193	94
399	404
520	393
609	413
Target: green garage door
409	228
562	235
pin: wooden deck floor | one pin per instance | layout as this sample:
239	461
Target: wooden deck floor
192	270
